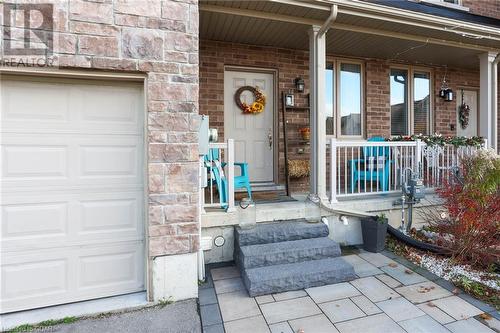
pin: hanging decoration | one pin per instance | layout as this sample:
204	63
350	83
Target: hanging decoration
445	92
257	106
463	113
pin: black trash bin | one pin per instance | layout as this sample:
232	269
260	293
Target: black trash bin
374	230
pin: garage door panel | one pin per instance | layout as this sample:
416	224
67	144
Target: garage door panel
109	161
34	161
71	220
50	161
109	215
80	108
36	278
49	277
108	270
30	102
110	105
72	189
37	220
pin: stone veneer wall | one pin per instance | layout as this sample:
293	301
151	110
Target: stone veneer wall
159	39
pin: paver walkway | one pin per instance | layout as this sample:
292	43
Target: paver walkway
391	295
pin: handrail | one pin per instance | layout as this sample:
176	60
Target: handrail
352	174
226	172
344	143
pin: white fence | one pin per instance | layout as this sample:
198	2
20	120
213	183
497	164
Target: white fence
219	168
362	168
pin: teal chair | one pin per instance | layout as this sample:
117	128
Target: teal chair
368	166
212	161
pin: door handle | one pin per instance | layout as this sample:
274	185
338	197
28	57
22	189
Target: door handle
270	138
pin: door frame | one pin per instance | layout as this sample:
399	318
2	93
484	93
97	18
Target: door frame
275	126
470	88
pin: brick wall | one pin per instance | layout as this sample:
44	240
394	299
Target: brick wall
160	39
489	8
290	63
378	113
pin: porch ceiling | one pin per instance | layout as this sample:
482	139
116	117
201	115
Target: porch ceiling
286	26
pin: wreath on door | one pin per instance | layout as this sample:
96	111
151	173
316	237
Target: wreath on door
463	115
257	106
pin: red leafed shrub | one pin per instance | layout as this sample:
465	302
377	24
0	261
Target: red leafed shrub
472	201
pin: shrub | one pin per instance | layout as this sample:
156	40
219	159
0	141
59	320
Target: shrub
472	201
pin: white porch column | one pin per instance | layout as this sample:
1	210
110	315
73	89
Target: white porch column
486	98
317	66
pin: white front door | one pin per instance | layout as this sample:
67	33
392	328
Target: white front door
252	133
71	189
470	98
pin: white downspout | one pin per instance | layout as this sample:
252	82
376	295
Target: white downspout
317	63
494	78
333	16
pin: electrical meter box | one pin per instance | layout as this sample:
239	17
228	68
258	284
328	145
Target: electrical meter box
203	136
416	188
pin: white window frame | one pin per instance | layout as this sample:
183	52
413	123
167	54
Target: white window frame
411	70
458	5
336	63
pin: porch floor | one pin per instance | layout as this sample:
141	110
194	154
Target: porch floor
389	295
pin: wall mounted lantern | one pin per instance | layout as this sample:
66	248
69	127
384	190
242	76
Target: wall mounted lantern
445	92
299	84
448	96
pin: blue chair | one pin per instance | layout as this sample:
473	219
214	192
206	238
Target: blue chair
212	161
368	166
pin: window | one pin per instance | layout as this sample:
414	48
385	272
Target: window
344	98
350	99
330	88
421	102
399	102
454	4
410	101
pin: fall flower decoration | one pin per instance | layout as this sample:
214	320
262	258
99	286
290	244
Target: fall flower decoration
257	106
305	132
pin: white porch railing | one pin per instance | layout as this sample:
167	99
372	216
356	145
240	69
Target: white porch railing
363	168
219	166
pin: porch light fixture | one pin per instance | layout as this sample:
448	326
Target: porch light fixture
445	92
299	84
448	95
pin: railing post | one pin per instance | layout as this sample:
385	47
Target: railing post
333	170
418	157
230	175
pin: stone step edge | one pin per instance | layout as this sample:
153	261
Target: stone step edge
302	249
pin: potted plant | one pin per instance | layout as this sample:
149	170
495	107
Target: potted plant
374	230
305	132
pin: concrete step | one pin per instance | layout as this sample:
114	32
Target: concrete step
283	231
300	275
259	255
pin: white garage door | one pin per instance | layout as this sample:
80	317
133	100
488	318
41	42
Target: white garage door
71	178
